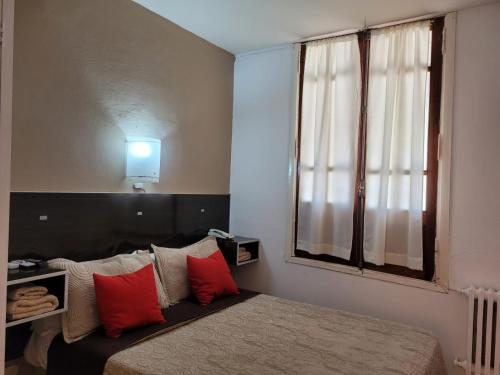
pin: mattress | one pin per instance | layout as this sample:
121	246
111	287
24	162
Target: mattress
270	335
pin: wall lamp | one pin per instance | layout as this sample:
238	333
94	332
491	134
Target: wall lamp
143	158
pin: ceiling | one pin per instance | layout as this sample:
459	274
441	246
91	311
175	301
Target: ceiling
244	25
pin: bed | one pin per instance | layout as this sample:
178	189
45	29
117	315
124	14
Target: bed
254	334
241	334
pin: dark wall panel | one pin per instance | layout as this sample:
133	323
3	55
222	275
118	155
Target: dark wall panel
82	226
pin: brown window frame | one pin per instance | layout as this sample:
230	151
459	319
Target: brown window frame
429	215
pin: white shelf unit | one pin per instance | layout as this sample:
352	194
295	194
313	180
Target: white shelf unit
40	276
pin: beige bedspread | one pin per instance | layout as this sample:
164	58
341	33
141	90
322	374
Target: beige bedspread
269	335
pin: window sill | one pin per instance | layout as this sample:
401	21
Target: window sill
375	275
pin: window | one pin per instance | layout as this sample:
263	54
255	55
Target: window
368	128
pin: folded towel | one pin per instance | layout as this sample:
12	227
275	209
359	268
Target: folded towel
32	307
27	292
244	259
18	316
244	255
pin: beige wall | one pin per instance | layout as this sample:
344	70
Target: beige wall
89	73
7	19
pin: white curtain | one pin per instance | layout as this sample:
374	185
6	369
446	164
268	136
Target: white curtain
328	146
396	144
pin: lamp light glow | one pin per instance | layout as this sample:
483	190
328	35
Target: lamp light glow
140	149
143	158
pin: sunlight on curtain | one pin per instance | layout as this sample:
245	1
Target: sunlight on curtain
328	146
396	137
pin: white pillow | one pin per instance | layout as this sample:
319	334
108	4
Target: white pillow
151	255
44	331
82	317
172	265
143	258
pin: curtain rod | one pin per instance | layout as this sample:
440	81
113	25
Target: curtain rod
372	27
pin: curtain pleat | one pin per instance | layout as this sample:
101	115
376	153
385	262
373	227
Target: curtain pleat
328	146
397	92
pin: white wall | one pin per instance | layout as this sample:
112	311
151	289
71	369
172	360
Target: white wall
475	206
259	185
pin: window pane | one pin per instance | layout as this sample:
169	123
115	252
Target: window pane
426	133
306	185
396	136
328	146
340	188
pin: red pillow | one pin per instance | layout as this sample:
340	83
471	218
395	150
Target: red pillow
127	301
210	277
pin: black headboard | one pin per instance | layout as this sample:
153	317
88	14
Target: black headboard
83	226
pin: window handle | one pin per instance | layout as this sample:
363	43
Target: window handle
361	189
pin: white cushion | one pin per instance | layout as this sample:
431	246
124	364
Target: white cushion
172	265
82	317
44	331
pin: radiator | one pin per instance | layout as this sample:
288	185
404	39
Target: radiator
483	332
